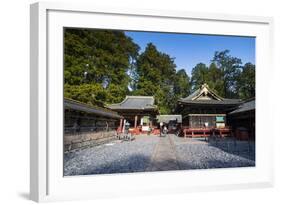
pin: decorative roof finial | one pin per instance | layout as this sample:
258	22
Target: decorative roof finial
205	85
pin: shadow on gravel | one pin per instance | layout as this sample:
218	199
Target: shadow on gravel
134	163
140	163
214	164
245	149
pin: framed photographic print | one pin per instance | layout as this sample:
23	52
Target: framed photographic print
128	102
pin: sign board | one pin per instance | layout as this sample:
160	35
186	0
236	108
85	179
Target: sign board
219	118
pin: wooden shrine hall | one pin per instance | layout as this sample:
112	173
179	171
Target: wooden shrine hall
205	113
139	111
242	120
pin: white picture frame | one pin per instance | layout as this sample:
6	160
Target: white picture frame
46	102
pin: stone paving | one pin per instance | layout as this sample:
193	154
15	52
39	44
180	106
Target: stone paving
154	153
164	156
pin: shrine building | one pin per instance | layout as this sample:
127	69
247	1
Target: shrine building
204	111
139	111
204	108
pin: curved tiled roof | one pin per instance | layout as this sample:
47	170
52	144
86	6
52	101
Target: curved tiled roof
135	102
246	106
213	102
76	105
212	99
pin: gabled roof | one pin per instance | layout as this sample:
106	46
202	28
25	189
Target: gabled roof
204	95
244	107
135	103
204	90
79	106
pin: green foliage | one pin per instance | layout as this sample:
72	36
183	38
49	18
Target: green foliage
211	75
97	59
230	68
103	66
222	75
154	66
216	79
199	75
157	76
182	84
92	94
115	94
246	82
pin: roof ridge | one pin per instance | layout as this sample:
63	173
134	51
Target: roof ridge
190	94
114	104
89	106
232	99
139	96
130	96
194	95
137	102
205	88
249	99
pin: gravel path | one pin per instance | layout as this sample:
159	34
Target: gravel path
152	153
199	154
115	157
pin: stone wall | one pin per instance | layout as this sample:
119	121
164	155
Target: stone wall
82	130
78	140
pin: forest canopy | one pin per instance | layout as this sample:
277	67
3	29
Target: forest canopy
103	66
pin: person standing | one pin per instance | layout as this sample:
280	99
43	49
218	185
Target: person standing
161	124
165	130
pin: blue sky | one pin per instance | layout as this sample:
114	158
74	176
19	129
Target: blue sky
190	49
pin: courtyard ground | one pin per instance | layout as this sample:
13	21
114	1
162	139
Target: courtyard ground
154	153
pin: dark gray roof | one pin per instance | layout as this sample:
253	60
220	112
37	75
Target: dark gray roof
191	96
225	101
75	105
214	99
168	118
244	107
135	103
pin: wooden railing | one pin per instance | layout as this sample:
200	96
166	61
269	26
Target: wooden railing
206	132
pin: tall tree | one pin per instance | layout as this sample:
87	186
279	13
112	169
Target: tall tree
92	94
230	68
156	75
215	79
199	75
98	58
182	84
246	81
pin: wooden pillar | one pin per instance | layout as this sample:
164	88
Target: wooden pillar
136	121
120	124
123	127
